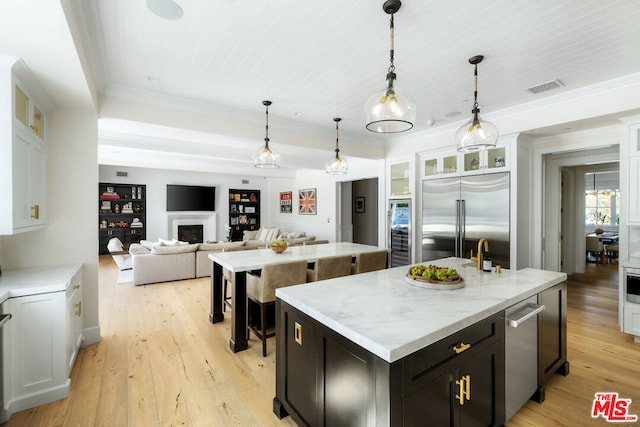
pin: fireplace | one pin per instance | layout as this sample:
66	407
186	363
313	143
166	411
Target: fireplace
205	223
191	233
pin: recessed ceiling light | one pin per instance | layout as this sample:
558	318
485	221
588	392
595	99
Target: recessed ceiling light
453	114
430	122
167	9
152	79
298	114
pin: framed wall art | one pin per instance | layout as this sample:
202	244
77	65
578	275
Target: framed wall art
307	201
286	202
358	205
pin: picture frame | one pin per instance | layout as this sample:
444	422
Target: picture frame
307	202
286	202
358	205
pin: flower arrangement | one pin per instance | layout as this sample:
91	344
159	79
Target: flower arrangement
229	232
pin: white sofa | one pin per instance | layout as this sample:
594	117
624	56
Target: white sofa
165	261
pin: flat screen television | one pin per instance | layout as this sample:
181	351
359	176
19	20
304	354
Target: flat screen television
190	198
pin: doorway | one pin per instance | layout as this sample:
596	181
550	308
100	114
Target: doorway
359	212
564	205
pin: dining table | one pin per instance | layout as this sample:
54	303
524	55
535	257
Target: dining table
241	262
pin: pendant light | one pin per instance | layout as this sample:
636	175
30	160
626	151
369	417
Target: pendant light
265	157
476	134
336	165
390	111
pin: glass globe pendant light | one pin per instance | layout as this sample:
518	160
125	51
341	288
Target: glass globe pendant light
336	165
390	111
476	134
265	157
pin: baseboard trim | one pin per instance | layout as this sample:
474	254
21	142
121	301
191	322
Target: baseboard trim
91	336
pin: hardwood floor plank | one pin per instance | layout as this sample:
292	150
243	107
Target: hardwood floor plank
160	362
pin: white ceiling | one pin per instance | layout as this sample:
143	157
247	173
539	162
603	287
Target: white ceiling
321	59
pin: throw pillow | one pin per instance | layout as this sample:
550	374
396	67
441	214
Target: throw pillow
266	234
249	234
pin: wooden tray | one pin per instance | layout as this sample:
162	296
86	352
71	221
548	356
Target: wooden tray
425	282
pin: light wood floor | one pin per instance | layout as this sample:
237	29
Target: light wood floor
161	363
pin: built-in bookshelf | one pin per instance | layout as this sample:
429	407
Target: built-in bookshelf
121	213
244	212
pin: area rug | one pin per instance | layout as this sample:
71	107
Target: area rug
125	276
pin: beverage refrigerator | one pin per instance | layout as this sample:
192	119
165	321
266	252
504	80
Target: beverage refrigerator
400	232
458	212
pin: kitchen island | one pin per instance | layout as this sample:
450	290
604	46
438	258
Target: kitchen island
373	349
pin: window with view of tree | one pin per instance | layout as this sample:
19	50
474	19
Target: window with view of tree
601	205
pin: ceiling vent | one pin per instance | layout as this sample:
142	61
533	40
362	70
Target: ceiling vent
546	87
245	181
120	173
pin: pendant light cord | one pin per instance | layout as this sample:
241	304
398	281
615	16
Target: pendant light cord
266	138
391	72
337	145
475	110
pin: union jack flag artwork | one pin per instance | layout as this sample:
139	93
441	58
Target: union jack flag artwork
307	201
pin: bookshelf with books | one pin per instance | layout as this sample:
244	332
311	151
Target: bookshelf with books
244	212
121	213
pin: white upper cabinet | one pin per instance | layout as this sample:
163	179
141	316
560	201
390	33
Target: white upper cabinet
450	162
23	149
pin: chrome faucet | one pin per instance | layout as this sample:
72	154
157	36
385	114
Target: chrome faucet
480	256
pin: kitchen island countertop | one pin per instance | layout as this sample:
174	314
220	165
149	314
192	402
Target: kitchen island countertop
391	318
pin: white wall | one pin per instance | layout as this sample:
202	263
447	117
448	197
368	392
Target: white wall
156	181
71	234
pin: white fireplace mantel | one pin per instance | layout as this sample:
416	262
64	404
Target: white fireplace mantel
206	219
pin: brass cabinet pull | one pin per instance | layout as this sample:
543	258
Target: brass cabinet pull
297	333
461	347
36	211
76	287
464	387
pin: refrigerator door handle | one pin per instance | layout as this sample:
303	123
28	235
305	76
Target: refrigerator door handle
463	226
457	236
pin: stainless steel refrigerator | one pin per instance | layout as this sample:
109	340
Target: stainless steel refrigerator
458	212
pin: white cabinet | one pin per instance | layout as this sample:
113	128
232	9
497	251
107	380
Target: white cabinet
43	336
491	160
450	162
23	149
74	320
440	164
400	179
634	190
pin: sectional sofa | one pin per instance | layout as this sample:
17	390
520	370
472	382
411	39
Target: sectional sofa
166	260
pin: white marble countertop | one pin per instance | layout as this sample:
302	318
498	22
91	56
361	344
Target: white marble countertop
391	318
255	259
631	262
33	281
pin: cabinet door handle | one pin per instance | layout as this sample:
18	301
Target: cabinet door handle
297	333
76	287
464	389
36	211
79	309
461	347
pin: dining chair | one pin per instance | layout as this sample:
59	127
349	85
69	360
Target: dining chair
595	247
329	267
370	261
611	251
261	291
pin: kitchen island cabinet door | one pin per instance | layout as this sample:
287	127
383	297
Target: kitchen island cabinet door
552	336
464	390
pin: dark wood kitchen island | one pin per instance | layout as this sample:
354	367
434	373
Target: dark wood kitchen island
374	350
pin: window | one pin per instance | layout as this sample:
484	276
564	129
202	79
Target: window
601	203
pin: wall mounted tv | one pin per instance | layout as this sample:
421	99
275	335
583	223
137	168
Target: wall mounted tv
190	198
